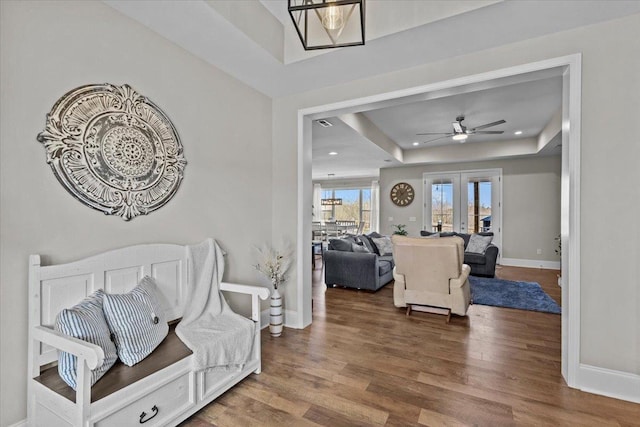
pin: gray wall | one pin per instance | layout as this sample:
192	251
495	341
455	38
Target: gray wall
609	272
49	48
530	195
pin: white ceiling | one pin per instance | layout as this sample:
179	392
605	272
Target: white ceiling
243	39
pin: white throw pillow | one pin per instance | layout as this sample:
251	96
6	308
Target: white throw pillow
137	321
478	244
85	321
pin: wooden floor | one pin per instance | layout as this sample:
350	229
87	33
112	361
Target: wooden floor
363	362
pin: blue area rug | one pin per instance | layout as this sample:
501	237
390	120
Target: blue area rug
506	293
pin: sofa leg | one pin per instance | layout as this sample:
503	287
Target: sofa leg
448	316
408	309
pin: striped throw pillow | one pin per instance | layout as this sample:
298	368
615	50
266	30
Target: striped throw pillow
137	321
85	321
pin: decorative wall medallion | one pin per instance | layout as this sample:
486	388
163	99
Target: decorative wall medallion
114	150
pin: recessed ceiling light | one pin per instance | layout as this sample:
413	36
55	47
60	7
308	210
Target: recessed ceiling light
416	143
324	123
333	153
518	132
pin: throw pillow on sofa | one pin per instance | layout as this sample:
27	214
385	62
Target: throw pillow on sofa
384	245
137	321
478	243
359	248
85	321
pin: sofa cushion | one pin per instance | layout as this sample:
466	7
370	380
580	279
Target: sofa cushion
478	244
366	242
372	246
473	258
384	266
341	245
359	248
388	258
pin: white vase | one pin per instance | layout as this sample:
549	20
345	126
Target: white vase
275	314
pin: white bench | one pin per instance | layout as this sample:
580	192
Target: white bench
161	390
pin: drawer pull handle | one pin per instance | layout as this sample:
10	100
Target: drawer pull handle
144	414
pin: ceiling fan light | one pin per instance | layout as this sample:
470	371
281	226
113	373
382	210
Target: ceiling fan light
460	137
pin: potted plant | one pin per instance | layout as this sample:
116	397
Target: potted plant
400	229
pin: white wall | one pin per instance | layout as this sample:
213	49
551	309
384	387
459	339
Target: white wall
49	48
610	321
531	203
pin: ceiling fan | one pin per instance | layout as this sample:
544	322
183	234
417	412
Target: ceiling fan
461	133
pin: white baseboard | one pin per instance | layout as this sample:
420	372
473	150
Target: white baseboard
290	318
607	382
22	423
531	263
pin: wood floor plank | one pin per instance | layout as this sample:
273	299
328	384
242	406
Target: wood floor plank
363	362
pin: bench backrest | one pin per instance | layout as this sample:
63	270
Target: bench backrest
54	287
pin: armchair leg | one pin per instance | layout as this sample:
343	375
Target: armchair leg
429	309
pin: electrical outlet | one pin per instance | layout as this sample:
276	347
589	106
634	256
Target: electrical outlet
539	251
412	219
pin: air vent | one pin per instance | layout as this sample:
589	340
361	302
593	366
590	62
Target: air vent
324	123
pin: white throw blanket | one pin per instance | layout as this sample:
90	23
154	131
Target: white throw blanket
218	337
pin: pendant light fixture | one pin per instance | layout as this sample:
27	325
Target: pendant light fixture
325	24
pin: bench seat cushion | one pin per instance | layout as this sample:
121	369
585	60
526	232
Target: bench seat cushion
170	351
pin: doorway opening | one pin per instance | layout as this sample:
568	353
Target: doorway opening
569	67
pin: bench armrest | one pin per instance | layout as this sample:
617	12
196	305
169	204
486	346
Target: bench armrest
93	354
259	291
255	292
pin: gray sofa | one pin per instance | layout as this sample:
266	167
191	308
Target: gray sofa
363	269
483	264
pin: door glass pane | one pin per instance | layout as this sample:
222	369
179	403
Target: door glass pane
442	205
479	205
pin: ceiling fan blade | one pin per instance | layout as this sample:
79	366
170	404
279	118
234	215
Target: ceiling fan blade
488	125
431	140
487	132
435	133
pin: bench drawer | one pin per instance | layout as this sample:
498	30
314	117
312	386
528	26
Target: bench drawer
157	407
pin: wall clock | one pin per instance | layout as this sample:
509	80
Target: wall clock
402	194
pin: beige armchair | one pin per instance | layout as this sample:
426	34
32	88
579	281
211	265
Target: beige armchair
430	275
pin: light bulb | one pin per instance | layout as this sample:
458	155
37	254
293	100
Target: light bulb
333	19
460	137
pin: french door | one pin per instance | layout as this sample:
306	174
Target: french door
464	201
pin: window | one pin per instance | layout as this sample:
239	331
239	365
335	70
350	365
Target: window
356	205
